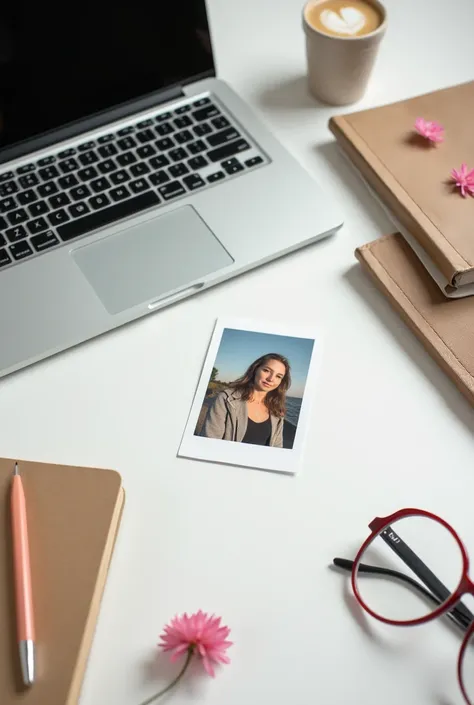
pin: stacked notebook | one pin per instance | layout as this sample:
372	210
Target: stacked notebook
427	269
73	519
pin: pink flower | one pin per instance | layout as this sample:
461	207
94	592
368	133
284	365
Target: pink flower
200	633
429	129
464	180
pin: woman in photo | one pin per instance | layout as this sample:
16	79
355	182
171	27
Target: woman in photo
252	408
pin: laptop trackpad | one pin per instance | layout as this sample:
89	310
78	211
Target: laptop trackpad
146	261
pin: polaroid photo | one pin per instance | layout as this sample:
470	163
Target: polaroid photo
253	399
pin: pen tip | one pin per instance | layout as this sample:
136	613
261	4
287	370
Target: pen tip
15	472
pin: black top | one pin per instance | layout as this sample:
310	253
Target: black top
258	433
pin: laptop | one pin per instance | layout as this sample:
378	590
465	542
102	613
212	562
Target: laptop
131	177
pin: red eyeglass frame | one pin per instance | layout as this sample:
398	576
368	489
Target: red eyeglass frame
465	586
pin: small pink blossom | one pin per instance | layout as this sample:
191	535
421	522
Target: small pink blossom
464	180
200	633
429	129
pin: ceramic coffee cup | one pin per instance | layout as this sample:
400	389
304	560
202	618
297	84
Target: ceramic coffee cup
339	66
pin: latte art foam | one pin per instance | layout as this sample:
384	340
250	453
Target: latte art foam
344	18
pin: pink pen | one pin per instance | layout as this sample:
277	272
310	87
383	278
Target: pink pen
23	592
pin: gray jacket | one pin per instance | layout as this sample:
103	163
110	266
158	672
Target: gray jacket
227	419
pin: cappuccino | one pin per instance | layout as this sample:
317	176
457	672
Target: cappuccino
344	18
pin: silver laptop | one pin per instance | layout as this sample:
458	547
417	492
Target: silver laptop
130	176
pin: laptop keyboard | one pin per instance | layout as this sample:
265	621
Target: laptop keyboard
70	193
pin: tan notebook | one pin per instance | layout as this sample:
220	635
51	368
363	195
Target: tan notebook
445	326
73	518
413	178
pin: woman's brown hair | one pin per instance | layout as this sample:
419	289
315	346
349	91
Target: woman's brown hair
274	400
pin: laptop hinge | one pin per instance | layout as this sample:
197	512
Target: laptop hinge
91	123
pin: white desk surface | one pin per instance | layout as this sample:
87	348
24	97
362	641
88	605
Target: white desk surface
389	429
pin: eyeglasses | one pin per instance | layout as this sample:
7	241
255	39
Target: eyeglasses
437	578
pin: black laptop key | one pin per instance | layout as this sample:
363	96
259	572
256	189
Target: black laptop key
126	158
178	154
67	165
119	193
26	197
46	160
202	129
161	177
217	176
178	170
16	234
108	215
228	150
20	250
118	177
222	137
107	166
38	208
79	192
139	169
100	184
58	217
26	168
97	202
197	163
90	172
86	145
68	181
220	122
164	144
44	241
90	157
2	240
253	161
126	143
66	153
184	136
183	109
171	190
183	122
144	123
6	176
47	173
126	131
165	128
7	204
193	181
209	111
3	226
145	151
4	258
8	188
163	117
28	180
79	209
159	162
107	150
59	200
106	138
145	135
196	147
37	226
232	166
201	102
139	185
18	216
47	189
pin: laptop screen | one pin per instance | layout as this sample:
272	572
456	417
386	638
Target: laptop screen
61	61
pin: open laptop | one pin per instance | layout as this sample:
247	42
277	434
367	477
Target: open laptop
130	177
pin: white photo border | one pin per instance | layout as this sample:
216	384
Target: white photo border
285	460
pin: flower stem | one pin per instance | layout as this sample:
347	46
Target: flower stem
173	682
